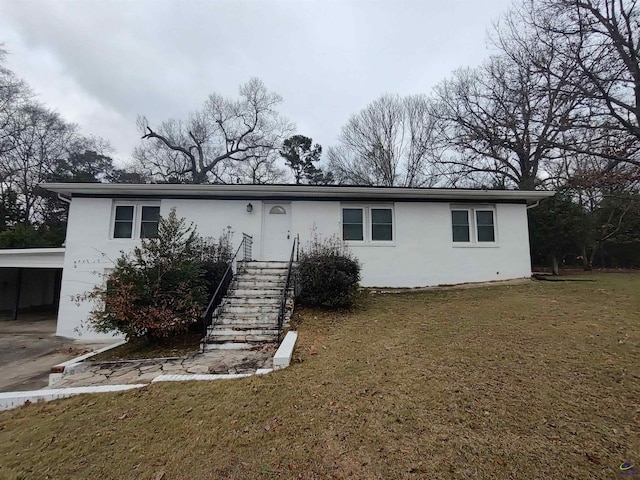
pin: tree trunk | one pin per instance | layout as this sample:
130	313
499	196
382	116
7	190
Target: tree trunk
586	264
554	265
592	257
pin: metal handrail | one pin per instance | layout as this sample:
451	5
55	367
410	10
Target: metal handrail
287	286
207	317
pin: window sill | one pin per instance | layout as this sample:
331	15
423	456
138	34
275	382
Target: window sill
353	243
475	245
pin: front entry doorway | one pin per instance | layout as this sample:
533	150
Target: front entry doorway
276	231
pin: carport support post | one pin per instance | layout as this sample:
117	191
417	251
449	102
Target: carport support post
18	291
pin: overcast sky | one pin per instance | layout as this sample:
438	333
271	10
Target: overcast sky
101	63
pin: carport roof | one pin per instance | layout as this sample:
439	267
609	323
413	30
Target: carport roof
32	258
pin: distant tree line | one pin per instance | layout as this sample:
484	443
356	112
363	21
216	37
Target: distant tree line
37	145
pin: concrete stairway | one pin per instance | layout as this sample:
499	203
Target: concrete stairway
248	315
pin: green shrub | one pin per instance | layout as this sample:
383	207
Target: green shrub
215	259
161	288
328	274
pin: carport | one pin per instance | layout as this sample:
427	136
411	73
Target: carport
30	279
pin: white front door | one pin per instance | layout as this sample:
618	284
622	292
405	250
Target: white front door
276	231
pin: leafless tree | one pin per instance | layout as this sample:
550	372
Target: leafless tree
502	120
14	96
225	132
260	168
39	140
389	143
600	39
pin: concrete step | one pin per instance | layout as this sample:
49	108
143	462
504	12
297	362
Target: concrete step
256	292
246	324
227	330
248	317
261	277
255	309
261	264
239	337
259	284
262	271
228	346
258	300
232	308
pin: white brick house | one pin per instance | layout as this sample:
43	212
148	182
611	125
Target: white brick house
403	237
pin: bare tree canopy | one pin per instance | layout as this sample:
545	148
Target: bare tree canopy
14	95
600	39
389	143
501	121
225	132
37	145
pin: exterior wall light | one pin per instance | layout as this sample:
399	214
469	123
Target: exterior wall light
249	208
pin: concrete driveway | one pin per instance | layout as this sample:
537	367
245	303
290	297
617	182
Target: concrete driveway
29	348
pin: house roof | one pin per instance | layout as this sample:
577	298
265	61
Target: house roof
290	192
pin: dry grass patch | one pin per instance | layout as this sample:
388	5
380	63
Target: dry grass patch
135	349
538	380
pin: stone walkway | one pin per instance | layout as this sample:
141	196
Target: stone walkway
144	371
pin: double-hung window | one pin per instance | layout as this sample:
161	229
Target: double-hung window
149	220
367	224
353	224
123	226
460	225
473	225
485	226
381	224
132	220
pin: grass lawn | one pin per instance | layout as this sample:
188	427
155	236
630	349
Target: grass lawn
539	380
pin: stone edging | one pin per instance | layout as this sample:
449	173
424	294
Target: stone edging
9	400
75	364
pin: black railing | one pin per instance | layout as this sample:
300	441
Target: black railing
208	319
291	280
247	242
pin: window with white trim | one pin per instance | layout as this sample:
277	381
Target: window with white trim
149	221
135	220
381	224
367	223
353	224
473	225
123	225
